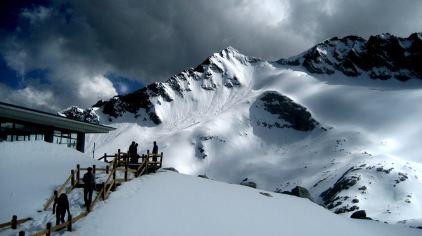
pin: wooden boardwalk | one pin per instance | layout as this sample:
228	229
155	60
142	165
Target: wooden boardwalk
120	162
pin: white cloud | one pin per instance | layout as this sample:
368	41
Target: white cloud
97	88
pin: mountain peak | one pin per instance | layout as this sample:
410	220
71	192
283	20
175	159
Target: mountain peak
230	49
382	57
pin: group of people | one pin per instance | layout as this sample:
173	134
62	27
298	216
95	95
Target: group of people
133	152
61	203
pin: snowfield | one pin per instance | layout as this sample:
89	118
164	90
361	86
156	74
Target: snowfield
363	154
166	203
29	173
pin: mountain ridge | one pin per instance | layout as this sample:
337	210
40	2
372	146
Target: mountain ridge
382	56
234	117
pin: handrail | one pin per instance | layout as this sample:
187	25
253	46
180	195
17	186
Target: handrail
105	190
61	226
144	163
73	186
17	222
50	200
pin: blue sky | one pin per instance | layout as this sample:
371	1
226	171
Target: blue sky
54	54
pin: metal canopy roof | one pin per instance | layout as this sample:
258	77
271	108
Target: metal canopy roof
48	119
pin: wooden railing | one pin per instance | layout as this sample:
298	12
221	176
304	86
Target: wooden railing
120	162
68	225
14	222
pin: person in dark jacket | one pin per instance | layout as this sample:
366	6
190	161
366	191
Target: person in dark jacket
89	185
60	206
131	150
154	151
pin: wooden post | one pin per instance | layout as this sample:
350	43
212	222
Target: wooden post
114	175
14	222
161	160
21	233
105	157
93	169
126	171
103	191
69	226
78	173
72	179
118	153
107	169
147	164
48	229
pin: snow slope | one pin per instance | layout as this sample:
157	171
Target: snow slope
360	150
168	203
29	173
164	203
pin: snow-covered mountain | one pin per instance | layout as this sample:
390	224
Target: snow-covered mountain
382	57
318	120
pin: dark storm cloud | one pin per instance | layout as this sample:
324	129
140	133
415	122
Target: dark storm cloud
79	42
324	19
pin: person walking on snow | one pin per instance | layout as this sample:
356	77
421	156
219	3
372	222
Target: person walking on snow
89	185
60	206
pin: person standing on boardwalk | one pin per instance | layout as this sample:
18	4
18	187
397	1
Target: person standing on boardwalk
154	151
89	185
60	206
131	151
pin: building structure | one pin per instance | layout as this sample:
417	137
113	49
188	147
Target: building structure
24	124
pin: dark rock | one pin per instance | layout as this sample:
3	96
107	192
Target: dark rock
352	54
401	177
344	182
296	115
301	192
345	209
203	176
363	188
266	194
171	169
360	215
76	113
248	183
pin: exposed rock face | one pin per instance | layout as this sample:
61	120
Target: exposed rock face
382	57
77	113
249	183
346	181
143	102
289	113
299	191
360	215
134	102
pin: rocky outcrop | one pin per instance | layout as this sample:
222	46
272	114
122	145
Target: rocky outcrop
381	57
289	114
249	183
360	215
76	113
299	191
